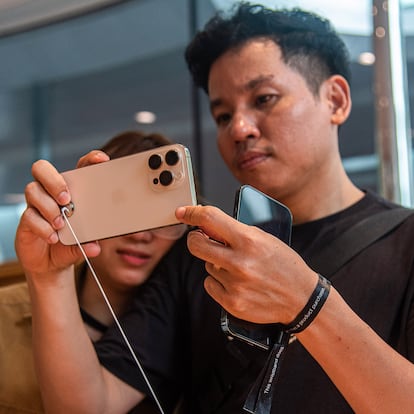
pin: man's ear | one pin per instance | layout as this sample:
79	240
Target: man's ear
339	98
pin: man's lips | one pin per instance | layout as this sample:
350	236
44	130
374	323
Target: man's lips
251	159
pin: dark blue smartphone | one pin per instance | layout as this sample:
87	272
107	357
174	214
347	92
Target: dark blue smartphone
257	209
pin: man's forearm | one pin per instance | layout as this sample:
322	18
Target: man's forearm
371	376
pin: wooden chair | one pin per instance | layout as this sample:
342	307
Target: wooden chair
11	272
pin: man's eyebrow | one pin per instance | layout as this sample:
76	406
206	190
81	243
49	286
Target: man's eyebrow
215	103
257	82
250	85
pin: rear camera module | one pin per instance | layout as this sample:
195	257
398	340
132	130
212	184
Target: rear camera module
171	157
166	178
154	161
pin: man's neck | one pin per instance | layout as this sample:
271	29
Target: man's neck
323	200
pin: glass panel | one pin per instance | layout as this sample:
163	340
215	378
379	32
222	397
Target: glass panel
407	17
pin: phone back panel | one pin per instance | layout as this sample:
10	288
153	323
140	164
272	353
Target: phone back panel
127	195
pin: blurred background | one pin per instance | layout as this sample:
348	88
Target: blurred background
74	73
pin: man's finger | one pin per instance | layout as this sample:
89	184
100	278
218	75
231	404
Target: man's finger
214	288
214	222
204	247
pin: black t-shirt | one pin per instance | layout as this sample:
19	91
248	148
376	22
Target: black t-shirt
174	326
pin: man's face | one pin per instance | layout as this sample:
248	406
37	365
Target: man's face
272	132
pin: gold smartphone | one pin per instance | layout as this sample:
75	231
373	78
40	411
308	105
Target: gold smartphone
129	194
257	209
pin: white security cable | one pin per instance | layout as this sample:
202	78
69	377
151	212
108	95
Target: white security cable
65	213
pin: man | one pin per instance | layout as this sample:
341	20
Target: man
278	90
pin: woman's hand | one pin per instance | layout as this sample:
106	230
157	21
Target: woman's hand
37	242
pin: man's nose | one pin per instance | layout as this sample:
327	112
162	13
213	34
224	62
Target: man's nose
243	127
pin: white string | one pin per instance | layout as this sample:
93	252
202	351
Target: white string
63	210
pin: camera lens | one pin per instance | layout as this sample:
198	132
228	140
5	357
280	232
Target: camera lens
154	161
172	157
166	178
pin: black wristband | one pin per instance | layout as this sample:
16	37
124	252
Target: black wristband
312	308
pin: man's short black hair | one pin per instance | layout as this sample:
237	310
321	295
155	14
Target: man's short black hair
308	42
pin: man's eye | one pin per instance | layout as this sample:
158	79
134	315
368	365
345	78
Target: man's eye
222	119
264	99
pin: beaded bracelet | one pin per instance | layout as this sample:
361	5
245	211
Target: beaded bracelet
312	308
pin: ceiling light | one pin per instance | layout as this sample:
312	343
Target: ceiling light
366	58
145	117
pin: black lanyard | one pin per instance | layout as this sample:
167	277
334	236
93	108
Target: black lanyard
259	400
